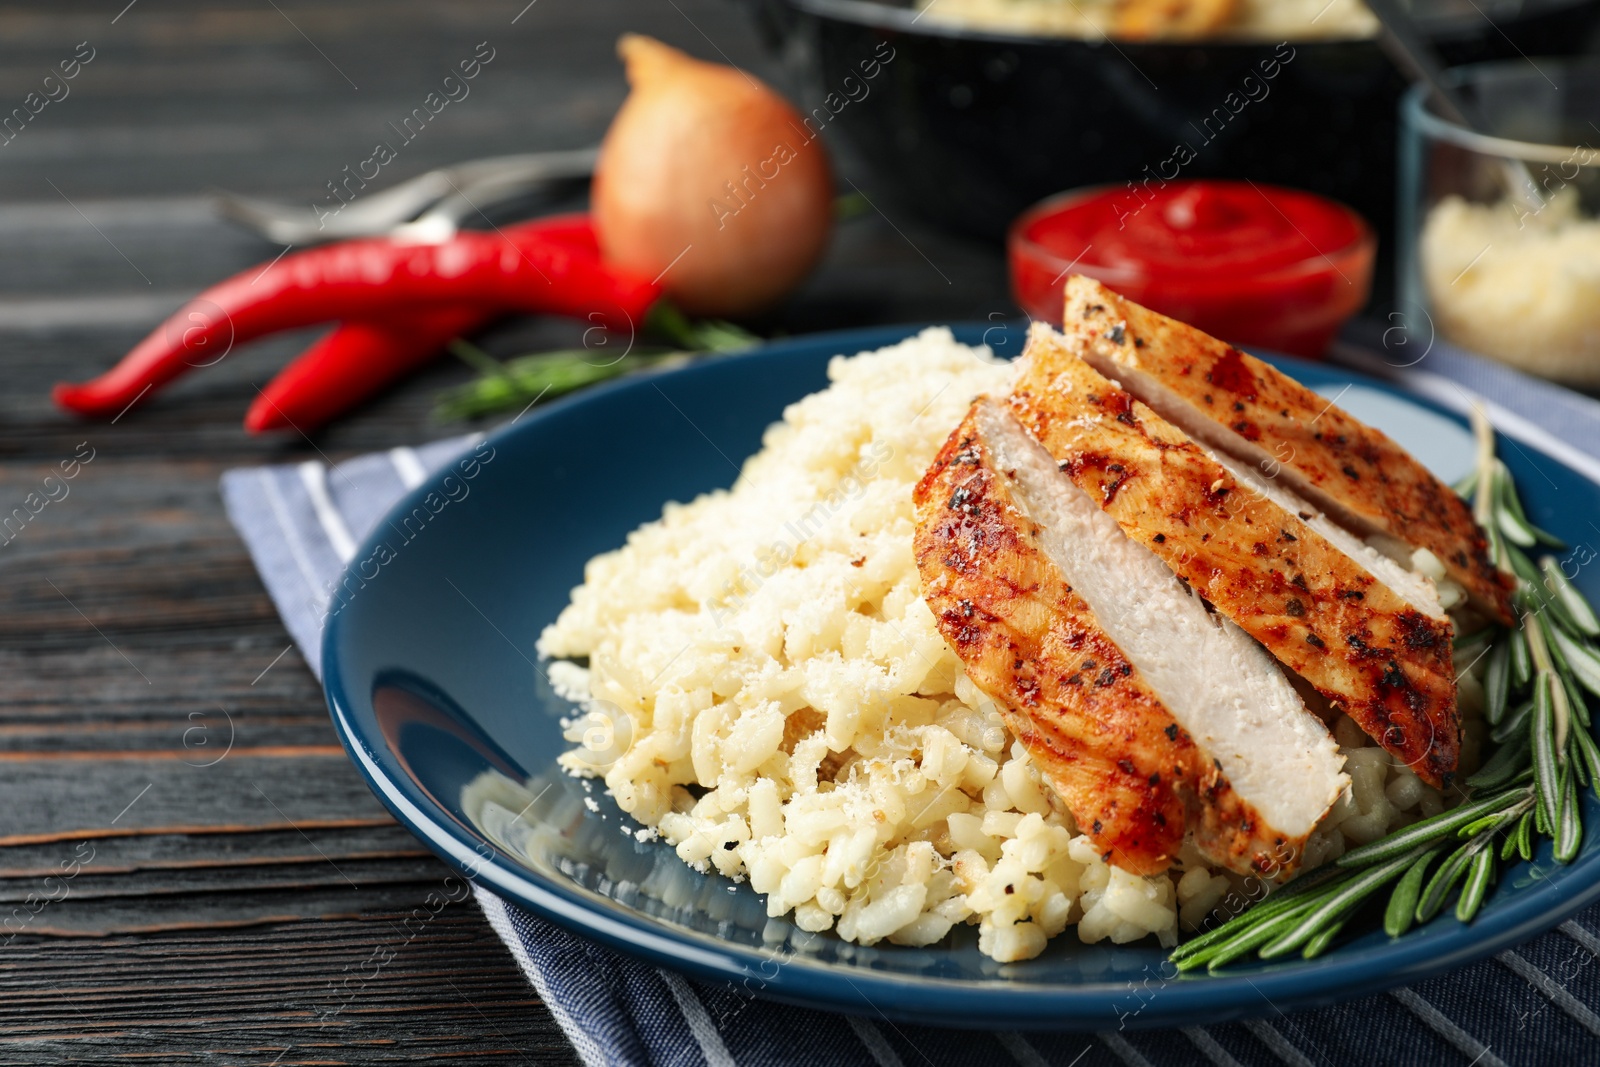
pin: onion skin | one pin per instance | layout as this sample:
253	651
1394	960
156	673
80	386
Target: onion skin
710	180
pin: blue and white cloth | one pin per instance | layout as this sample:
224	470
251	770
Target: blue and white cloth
1536	1004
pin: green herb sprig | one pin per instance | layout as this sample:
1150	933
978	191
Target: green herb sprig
1538	676
520	382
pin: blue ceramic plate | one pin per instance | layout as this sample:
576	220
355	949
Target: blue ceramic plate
436	691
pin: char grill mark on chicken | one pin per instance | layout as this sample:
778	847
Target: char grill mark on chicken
996	526
1371	654
1247	408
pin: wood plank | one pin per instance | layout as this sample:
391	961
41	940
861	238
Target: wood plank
192	847
48	794
341	990
223	914
356	870
196	730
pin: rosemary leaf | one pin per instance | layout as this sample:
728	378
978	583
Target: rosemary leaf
1578	610
709	335
1551	606
1504	765
476	358
1525	833
1581	660
521	382
1427	830
1338	904
1576	702
1497	547
1548	539
1546	637
1569	826
1505	491
1523	779
1512	502
1589	752
1507	510
1401	912
1252	939
1530	583
1516	531
1488	824
1319	944
1546	761
1445	878
1521	660
1554	611
1508	847
1571	657
1560	714
1466	485
1479	876
1279	901
1497	682
1549	662
1515	725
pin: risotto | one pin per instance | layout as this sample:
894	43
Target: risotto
766	689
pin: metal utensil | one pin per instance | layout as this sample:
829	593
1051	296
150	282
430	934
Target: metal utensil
1415	57
429	206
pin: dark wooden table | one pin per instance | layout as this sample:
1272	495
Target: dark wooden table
189	869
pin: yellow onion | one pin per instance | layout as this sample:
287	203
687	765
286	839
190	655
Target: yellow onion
710	180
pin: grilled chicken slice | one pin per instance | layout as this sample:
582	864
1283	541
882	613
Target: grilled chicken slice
1250	410
1383	661
1415	589
1148	714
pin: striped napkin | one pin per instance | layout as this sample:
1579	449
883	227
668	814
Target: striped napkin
1536	1004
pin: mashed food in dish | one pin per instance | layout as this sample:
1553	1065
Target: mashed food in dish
1521	287
794	717
1261	20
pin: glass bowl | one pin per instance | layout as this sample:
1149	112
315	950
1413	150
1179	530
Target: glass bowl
1499	239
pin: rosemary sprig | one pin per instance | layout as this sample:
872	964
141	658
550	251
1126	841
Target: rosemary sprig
1538	676
525	380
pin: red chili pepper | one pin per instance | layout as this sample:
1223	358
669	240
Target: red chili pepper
520	269
352	363
575	230
358	359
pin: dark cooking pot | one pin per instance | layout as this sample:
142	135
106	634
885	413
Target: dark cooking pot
967	127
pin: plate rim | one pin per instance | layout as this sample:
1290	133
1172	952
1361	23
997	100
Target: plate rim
988	1004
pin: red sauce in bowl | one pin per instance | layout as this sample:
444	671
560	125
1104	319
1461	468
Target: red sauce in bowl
1252	264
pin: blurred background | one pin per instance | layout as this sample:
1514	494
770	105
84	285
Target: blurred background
107	191
105	195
